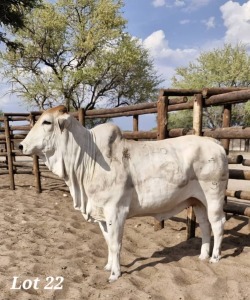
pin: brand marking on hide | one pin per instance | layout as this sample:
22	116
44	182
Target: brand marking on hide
125	153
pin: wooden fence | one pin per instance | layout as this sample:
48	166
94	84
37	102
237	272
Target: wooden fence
169	100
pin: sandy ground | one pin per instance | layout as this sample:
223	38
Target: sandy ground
42	235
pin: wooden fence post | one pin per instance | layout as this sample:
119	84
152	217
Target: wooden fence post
197	114
36	161
226	122
81	115
162	121
12	149
197	126
9	152
6	151
136	124
162	117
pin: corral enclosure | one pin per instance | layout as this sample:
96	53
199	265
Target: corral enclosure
169	100
43	236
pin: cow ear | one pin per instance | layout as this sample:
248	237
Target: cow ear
63	123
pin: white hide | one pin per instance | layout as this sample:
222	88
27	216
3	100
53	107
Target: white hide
111	178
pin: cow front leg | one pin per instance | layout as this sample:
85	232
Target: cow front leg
115	224
103	226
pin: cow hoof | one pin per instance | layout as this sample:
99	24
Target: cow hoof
214	259
203	256
113	278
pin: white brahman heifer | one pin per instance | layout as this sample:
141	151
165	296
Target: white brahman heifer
112	179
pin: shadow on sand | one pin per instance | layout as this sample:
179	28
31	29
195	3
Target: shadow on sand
233	239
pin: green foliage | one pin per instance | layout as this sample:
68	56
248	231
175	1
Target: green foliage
77	53
247	114
229	66
181	119
241	114
224	67
12	14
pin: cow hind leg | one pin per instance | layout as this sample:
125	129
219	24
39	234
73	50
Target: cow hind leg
218	230
217	220
202	218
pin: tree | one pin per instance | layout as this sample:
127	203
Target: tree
12	14
223	67
78	53
180	119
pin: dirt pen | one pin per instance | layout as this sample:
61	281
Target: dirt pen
42	235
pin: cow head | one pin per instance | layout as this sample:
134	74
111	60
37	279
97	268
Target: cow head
42	137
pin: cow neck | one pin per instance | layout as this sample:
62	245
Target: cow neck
89	155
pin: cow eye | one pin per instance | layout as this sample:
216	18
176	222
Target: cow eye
46	122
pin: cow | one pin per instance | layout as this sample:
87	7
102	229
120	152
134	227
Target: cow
111	178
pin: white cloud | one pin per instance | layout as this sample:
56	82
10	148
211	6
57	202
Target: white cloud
237	21
3	101
165	58
184	22
11	103
159	3
196	4
158	46
210	23
179	3
4	94
186	5
156	42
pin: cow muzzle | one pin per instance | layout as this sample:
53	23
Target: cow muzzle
23	149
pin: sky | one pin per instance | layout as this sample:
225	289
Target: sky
175	32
